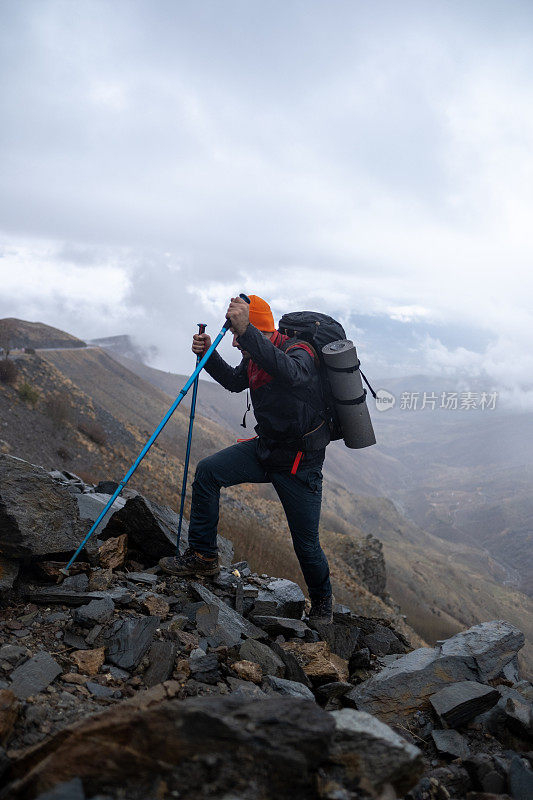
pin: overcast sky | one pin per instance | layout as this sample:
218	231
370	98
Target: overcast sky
370	160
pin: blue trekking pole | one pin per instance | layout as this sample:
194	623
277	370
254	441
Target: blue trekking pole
203	361
201	329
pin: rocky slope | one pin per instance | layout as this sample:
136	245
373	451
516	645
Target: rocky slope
122	682
19	334
90	386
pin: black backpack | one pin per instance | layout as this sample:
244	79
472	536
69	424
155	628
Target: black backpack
317	330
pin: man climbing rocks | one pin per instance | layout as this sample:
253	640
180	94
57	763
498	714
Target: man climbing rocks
288	450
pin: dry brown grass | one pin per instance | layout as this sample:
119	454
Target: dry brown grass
93	431
8	371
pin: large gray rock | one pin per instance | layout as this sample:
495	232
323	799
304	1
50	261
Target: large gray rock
280	598
37	515
98	610
381	755
342	637
460	702
486	647
34	675
288	688
520	779
91	505
222	622
128	640
284	626
152	530
407	684
225	744
293	669
451	743
513	712
262	654
162	656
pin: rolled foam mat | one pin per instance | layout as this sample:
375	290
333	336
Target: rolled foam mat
354	419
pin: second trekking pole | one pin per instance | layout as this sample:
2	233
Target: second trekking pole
203	361
201	329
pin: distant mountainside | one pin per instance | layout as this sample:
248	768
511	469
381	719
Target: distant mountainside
35	334
124	345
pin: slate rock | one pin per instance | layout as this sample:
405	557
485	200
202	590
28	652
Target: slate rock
249	691
513	712
275	745
76	583
225	580
486	648
118	674
511	671
288	688
34	675
406	685
293	669
382	641
142	577
98	690
128	640
12	653
162	656
280	598
119	595
74	640
342	637
37	515
229	626
381	754
451	743
97	611
460	702
360	659
334	689
205	668
68	790
90	506
262	654
284	626
520	780
152	530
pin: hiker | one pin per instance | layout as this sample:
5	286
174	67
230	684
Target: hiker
288	451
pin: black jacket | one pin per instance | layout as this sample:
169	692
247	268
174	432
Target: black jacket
286	395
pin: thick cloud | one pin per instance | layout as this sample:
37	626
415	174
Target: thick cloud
369	160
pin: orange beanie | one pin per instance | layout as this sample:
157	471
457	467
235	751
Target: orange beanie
260	314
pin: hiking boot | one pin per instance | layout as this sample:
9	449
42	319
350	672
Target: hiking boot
190	563
321	611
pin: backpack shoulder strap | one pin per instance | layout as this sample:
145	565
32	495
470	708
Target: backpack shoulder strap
290	344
